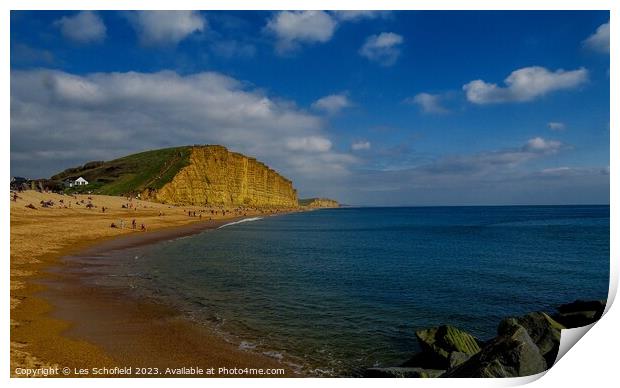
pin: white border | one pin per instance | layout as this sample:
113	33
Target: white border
591	363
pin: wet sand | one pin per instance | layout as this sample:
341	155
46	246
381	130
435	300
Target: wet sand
58	320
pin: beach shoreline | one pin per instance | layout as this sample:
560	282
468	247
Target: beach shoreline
55	317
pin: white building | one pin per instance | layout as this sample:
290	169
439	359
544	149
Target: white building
80	182
77	182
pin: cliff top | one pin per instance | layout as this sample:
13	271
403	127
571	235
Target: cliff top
131	173
318	202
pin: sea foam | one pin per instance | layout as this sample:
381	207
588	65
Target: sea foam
240	221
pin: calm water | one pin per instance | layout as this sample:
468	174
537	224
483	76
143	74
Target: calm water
338	290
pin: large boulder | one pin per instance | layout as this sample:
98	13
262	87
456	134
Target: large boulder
457	358
512	354
542	329
402	372
438	343
583	305
580	313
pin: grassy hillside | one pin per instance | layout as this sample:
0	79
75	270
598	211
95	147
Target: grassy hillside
305	201
133	173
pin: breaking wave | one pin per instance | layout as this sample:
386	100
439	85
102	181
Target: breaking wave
240	221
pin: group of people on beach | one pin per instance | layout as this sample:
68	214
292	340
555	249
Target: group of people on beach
134	225
211	211
49	203
193	214
237	211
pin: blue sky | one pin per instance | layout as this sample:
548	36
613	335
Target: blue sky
372	108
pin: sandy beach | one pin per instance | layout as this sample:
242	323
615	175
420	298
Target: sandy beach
58	321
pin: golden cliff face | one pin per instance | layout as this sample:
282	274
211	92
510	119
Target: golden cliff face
318	203
216	176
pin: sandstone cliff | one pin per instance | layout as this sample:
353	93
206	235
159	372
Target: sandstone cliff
318	203
216	176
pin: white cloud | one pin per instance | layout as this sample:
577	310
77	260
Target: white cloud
333	103
166	27
491	162
538	144
293	28
558	171
383	48
565	171
309	144
429	103
353	16
74	89
360	145
524	84
59	120
556	126
599	41
83	27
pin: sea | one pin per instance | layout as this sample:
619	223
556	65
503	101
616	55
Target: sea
333	291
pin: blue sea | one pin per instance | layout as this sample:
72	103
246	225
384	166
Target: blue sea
336	290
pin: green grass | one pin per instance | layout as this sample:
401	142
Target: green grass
308	201
305	201
130	174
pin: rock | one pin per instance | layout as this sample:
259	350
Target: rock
583	305
542	329
580	313
510	355
439	342
577	319
402	372
457	358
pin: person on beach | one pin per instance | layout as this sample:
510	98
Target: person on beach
133	223
143	227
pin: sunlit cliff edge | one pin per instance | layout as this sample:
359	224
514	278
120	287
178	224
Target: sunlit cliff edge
318	203
215	175
190	175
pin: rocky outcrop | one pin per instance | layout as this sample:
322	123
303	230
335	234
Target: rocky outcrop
580	313
524	346
216	176
440	343
544	331
509	355
318	203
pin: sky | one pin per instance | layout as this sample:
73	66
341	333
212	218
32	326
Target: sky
399	108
